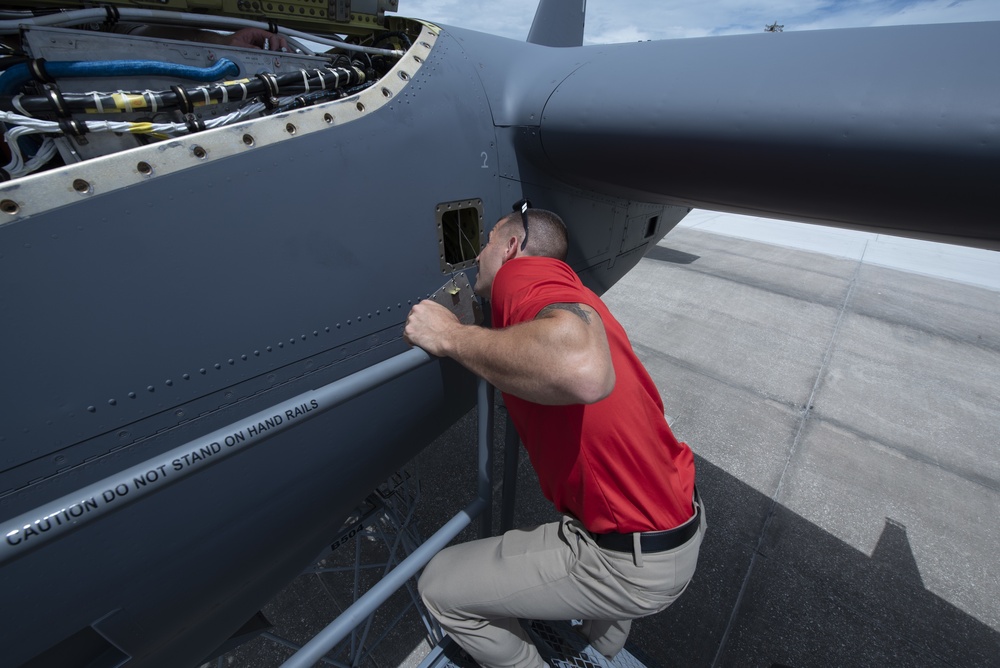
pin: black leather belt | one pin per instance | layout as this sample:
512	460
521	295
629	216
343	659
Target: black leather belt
652	541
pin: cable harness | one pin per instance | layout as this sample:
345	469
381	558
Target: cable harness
265	93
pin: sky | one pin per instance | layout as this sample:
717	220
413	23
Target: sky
612	21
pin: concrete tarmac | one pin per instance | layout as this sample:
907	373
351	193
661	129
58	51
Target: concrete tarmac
844	413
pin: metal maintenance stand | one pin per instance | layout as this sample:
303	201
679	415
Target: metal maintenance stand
558	643
374	540
317	649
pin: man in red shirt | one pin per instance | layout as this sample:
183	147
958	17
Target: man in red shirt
592	422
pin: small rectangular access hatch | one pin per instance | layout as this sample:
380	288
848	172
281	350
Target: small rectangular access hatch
460	233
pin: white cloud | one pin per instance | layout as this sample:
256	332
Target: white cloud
871	13
611	21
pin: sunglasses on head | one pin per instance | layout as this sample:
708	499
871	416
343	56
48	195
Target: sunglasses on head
523	206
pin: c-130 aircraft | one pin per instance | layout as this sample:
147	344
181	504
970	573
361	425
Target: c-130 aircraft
183	262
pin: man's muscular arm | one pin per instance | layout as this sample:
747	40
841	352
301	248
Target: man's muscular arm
561	357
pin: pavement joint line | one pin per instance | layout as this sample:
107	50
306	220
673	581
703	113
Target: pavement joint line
645	352
915	456
806	411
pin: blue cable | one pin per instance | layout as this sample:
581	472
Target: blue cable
17	75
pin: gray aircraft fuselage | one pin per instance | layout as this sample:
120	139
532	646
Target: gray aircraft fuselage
154	295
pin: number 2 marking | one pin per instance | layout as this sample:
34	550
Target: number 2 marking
485	157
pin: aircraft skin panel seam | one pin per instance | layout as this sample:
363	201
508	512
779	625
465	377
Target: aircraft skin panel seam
555	89
310	369
68	512
479	79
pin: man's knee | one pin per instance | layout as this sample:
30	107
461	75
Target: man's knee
430	583
607	637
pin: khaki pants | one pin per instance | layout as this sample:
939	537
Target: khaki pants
478	590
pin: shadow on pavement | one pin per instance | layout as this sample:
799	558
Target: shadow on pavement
809	599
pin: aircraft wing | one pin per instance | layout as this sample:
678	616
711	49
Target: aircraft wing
887	129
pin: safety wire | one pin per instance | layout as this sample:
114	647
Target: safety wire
463	235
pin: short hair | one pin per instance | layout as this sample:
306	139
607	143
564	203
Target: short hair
547	236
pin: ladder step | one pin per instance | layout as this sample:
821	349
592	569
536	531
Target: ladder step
558	643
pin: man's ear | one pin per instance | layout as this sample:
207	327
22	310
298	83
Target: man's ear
510	248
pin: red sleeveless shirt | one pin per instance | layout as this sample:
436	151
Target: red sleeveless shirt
614	465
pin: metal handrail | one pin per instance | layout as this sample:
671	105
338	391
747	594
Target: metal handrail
32	529
337	630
